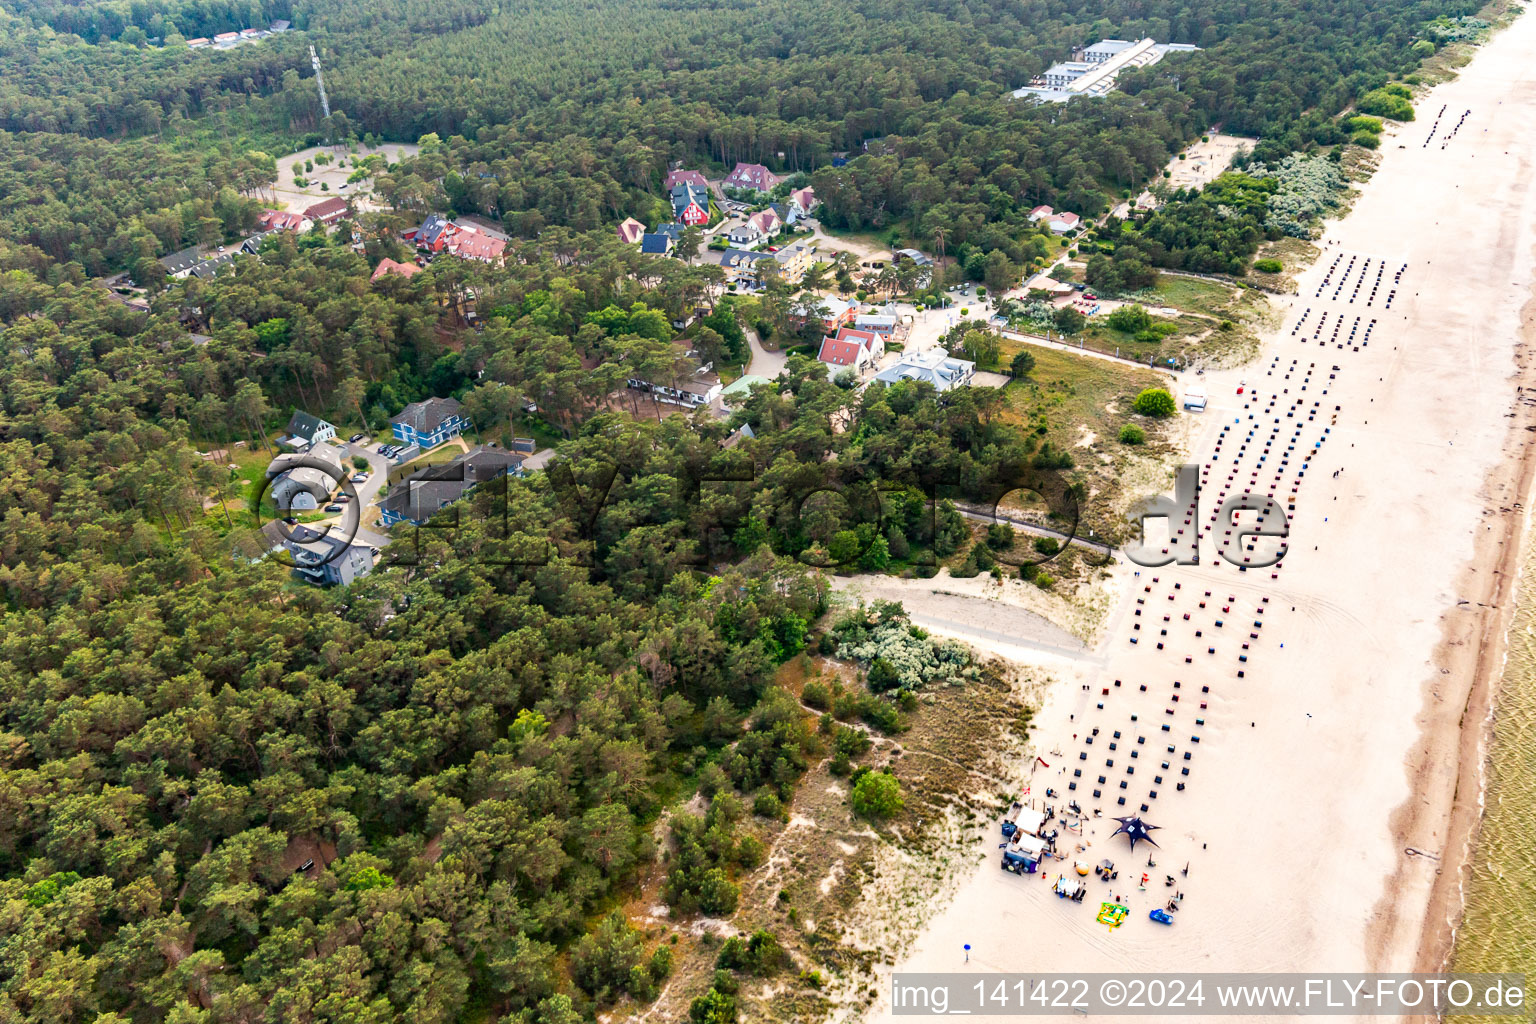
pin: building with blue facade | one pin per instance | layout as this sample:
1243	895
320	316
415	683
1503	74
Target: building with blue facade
430	423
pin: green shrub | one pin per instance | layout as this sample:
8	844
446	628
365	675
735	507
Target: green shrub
815	694
1155	402
1269	266
1046	545
1132	434
877	796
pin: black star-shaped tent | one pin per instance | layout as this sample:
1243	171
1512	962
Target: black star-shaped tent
1136	830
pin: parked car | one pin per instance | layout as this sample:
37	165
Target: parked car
360	478
342	499
383	448
354	438
333	509
290	520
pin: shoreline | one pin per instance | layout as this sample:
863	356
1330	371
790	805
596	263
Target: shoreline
1480	644
1423	526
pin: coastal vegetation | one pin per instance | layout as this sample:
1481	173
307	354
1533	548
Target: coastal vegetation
456	789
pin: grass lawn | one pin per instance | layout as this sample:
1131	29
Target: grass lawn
1078	404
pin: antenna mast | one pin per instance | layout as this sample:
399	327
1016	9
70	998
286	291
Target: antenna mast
325	104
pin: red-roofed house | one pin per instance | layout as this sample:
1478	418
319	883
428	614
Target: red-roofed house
690	177
753	176
389	266
327	211
1059	223
851	349
476	245
282	220
803	199
226	37
630	231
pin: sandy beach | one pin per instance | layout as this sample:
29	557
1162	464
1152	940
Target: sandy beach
1323	717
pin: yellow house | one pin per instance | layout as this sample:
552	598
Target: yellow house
794	261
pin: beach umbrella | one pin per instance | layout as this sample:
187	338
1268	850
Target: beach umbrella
1136	830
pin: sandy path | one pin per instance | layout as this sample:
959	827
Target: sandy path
1287	823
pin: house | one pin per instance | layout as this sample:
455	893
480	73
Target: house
278	26
655	244
388	266
1059	223
310	430
282	220
199	42
226	38
250	33
679	177
302	489
630	231
1064	222
767	221
932	365
913	256
327	211
745	233
252	245
673	231
850	349
326	559
794	261
839	312
467	241
690	204
180	264
751	176
194	262
740	434
879	324
803	199
740	265
419	496
691	391
304	481
430	423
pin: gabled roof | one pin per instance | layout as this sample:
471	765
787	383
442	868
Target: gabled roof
655	244
686	194
477	245
326	208
1040	211
692	177
739	257
425	417
846	347
805	198
280	220
630	231
765	221
751	176
421	494
302	424
389	266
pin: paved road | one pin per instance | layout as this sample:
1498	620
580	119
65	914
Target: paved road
764	363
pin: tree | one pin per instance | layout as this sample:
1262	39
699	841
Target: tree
603	960
1155	402
877	796
1022	365
1068	320
1130	319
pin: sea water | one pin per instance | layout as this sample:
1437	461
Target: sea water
1498	932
